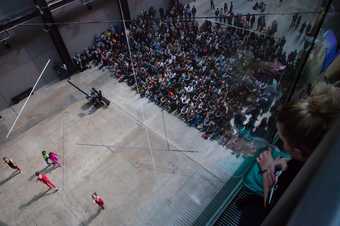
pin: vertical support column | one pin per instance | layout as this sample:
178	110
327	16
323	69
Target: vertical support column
55	35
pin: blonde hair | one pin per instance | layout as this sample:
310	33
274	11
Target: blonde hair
304	123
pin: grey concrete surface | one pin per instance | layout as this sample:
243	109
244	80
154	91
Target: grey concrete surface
79	35
142	175
137	6
294	39
22	63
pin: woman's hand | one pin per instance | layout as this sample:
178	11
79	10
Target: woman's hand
281	162
268	165
265	160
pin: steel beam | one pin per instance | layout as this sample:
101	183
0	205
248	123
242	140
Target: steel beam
52	28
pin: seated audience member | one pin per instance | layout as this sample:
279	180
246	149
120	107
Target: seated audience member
301	126
181	65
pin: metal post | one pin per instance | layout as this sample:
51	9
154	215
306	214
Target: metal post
55	35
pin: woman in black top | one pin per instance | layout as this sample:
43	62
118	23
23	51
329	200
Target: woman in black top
301	126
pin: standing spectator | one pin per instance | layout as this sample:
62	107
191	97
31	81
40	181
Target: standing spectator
161	13
282	42
252	21
308	29
226	7
292	57
193	12
302	28
231	7
212	5
259	23
262	6
187	13
217	13
11	164
298	21
77	62
225	15
152	12
221	14
294	18
236	20
98	200
263	22
306	44
45	180
274	26
248	19
230	18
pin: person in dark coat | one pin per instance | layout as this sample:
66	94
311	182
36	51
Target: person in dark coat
193	12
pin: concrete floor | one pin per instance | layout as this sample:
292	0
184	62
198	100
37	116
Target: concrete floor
168	183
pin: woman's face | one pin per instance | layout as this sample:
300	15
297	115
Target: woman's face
294	152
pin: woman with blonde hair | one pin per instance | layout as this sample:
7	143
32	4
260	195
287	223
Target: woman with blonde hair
301	126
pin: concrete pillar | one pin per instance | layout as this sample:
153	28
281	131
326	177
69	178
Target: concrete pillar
55	35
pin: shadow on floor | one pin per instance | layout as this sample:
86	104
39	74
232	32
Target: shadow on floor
36	198
91	111
13	174
91	218
46	169
85	106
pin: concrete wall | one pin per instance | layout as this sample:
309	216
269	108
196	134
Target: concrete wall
20	65
137	6
12	8
31	46
79	36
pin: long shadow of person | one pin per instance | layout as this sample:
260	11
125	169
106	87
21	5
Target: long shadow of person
91	218
36	198
46	169
92	110
13	174
86	106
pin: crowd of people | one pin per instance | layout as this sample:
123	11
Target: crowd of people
209	75
215	78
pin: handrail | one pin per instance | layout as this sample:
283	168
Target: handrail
224	197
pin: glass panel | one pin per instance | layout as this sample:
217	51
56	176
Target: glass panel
188	90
